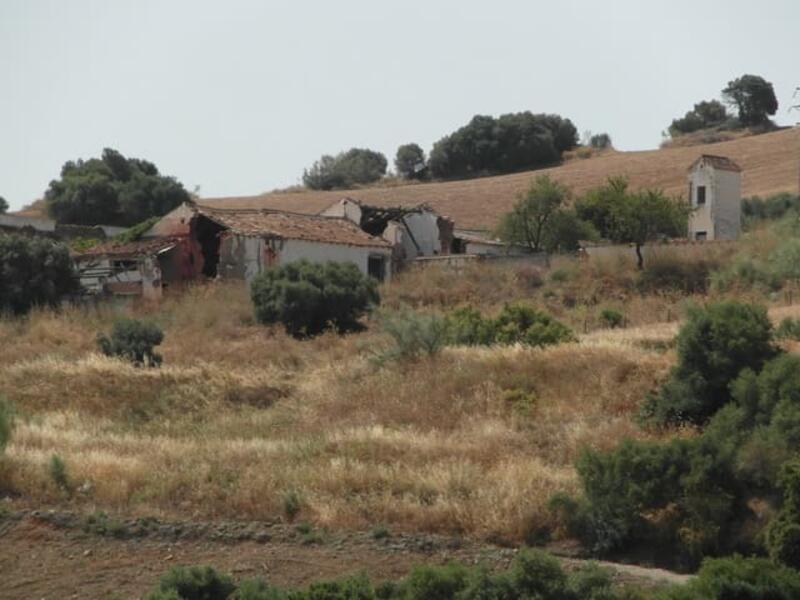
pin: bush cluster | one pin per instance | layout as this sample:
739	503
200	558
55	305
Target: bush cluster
133	340
346	169
772	207
690	496
34	272
533	574
418	334
308	298
515	324
112	190
716	344
512	142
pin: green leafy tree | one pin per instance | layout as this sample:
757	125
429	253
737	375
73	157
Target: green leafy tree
716	343
3	205
601	141
357	166
133	340
34	272
539	222
705	114
111	190
506	144
410	161
308	298
633	218
754	98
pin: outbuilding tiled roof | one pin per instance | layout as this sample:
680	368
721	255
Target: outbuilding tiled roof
293	226
723	163
145	247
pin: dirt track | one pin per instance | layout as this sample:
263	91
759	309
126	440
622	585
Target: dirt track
52	555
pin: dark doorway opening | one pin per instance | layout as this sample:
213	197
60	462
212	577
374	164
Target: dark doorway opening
376	267
207	233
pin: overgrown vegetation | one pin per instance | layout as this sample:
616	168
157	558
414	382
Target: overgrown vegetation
112	190
308	298
6	423
133	340
511	142
34	271
533	574
347	169
693	496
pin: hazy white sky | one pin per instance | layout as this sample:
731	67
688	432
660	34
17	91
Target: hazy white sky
238	96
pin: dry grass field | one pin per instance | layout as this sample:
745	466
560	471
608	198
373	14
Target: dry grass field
769	163
241	420
241	417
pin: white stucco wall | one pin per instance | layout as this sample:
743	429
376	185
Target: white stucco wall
244	257
728	205
424	228
720	217
344	208
321	252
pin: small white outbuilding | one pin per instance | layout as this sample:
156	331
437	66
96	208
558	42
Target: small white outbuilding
715	194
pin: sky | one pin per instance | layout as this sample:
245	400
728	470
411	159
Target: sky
237	97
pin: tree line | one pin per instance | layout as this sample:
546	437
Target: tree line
542	220
484	146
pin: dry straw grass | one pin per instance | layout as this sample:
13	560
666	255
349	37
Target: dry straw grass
472	441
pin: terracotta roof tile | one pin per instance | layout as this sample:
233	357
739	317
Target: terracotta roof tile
294	226
146	247
723	163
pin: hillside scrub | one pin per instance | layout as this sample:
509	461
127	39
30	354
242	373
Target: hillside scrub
694	496
532	574
308	298
473	442
133	340
715	344
34	271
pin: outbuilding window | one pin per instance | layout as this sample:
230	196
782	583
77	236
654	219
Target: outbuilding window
701	195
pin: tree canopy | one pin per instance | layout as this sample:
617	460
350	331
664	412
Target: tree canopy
346	169
753	96
512	142
33	272
111	190
705	114
3	205
626	217
540	221
410	161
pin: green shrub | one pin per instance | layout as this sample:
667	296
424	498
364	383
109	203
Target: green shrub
536	574
516	323
356	587
738	578
789	328
413	334
590	581
783	533
34	271
611	318
715	344
133	340
292	503
308	298
744	273
57	469
194	583
257	589
435	583
6	423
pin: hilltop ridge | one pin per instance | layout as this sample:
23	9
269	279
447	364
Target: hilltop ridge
770	164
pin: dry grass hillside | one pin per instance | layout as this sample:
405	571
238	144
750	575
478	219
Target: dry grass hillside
770	164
